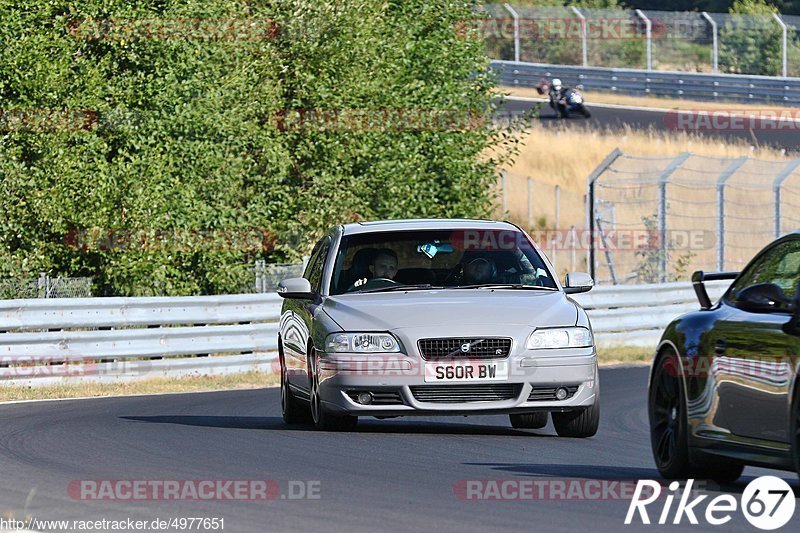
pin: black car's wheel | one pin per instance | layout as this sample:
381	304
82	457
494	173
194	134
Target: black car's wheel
529	420
668	421
795	429
322	418
582	424
294	410
669	428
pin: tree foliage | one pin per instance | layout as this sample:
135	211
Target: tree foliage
184	136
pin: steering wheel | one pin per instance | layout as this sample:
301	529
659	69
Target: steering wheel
374	283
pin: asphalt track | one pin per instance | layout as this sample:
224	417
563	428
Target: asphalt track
394	475
617	118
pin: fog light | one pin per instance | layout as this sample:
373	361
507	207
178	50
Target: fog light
561	393
365	398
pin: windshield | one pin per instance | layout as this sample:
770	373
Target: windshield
397	260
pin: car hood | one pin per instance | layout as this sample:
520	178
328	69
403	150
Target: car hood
395	310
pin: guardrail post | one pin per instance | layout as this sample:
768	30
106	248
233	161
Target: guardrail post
776	186
662	212
515	15
590	203
727	173
714	42
584	44
648	25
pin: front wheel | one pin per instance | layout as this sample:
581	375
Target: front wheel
795	428
294	410
529	420
585	112
323	419
669	433
579	424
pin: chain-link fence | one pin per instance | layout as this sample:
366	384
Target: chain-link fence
649	39
554	216
655	219
46	287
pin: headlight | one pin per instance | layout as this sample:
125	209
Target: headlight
361	343
560	338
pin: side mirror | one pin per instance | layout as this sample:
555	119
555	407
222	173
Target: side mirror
575	282
295	288
764	298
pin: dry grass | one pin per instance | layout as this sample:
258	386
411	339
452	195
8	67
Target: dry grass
624	355
566	156
649	101
248	380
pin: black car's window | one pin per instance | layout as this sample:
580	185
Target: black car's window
780	265
442	258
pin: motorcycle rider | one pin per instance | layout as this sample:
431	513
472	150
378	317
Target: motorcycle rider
556	94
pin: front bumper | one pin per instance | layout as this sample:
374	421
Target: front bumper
402	378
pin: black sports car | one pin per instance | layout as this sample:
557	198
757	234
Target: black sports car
723	388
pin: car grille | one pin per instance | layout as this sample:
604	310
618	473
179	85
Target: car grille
482	348
466	393
378	397
548	393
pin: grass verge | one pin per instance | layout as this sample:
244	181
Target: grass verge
247	380
624	355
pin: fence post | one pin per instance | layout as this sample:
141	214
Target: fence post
590	202
503	175
516	31
776	186
785	56
648	25
558	207
530	206
584	44
727	173
714	42
662	212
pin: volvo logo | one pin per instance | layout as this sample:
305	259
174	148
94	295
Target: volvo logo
466	347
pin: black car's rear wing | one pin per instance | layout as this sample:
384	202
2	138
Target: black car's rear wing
698	282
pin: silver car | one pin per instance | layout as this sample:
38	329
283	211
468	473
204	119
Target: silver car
436	317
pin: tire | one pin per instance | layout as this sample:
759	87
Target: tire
794	428
529	420
669	428
580	424
294	410
322	418
585	112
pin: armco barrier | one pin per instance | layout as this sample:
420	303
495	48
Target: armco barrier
683	85
113	339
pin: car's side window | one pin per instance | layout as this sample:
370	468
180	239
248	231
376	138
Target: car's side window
780	265
318	267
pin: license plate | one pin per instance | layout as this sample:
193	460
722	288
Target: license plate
465	371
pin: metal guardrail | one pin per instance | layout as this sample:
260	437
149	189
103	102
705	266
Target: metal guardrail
118	339
636	315
102	339
683	85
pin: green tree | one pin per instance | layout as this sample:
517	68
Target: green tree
751	40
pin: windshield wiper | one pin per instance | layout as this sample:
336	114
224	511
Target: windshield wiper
504	286
393	288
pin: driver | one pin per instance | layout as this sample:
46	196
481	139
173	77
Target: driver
384	264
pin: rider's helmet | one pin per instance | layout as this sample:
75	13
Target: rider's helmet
556	83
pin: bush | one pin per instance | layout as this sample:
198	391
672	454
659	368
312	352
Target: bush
182	151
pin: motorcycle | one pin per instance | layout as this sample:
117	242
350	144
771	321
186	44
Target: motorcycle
572	101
